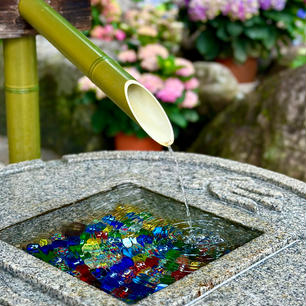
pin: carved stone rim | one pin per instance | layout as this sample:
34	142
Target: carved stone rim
64	286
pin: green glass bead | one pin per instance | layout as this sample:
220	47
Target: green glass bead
179	244
173	254
167	279
85	236
172	266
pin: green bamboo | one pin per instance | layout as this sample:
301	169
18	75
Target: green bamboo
75	46
22	98
106	73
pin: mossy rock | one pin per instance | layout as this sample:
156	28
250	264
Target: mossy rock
266	129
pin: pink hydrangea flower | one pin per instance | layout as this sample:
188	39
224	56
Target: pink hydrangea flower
151	82
147	31
127	56
85	84
111	10
173	89
150	64
97	32
192	84
187	69
152	50
105	33
99	94
133	72
191	100
120	35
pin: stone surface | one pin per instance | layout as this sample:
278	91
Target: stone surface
218	86
266	129
33	188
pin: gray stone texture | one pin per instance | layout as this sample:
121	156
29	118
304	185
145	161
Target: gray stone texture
261	199
266	129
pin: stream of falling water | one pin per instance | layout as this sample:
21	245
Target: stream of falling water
181	182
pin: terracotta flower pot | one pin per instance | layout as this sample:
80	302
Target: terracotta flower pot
133	143
244	73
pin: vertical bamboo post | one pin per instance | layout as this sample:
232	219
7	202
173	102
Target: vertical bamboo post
22	98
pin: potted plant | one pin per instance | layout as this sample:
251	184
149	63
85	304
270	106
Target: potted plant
237	32
170	79
150	35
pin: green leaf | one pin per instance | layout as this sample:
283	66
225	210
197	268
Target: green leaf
270	41
257	32
234	28
95	13
285	17
97	121
240	50
191	115
207	44
178	119
88	98
222	34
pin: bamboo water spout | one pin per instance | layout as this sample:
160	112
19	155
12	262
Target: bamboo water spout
134	99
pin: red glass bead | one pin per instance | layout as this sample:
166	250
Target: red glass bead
83	269
152	261
121	292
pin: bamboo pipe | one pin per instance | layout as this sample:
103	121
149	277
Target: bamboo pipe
22	98
135	100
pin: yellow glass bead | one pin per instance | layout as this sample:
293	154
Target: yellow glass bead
43	242
194	265
108	229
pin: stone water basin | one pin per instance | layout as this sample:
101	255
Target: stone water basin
244	210
128	250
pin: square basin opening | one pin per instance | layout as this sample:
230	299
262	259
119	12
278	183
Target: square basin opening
128	241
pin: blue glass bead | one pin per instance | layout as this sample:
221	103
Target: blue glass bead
144	239
108	219
100	226
109	283
139	291
99	273
91	228
119	225
160	287
56	261
73	240
124	264
73	262
127	252
130	215
157	230
127	262
32	248
46	248
59	244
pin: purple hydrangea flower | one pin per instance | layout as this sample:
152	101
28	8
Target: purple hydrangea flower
278	5
240	9
203	10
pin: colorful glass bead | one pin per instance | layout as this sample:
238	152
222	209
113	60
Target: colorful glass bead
43	242
129	253
57	236
32	248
